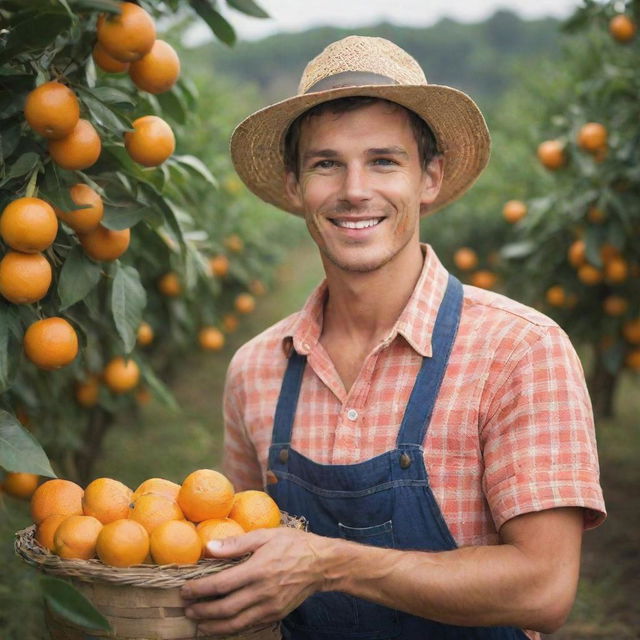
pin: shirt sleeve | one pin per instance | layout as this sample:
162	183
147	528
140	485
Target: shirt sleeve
538	439
240	461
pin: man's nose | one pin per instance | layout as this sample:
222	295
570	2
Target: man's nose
355	184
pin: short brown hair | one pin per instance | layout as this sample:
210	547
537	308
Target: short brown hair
425	139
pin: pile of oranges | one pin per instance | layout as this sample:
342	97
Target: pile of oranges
161	522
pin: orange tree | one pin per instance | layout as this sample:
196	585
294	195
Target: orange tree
100	200
576	254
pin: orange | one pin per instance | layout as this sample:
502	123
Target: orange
175	542
20	485
633	360
87	391
87	218
216	529
78	150
126	36
151	510
169	285
106	499
219	265
105	244
143	396
465	259
484	279
596	215
157	486
551	154
622	28
145	334
576	253
592	136
589	275
257	287
121	375
158	70
255	510
51	343
234	243
631	331
555	296
514	210
76	537
122	543
29	225
151	142
52	110
616	270
615	305
56	497
106	62
47	529
205	494
229	322
608	252
211	339
244	303
24	277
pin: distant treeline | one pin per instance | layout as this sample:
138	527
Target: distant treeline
482	59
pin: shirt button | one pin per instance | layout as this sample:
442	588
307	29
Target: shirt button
352	414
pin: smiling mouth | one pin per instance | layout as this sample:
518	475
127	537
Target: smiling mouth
356	224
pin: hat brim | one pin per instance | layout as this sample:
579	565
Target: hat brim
257	144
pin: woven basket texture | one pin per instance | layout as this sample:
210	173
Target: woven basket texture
141	602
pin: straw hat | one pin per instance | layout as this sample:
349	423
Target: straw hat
362	66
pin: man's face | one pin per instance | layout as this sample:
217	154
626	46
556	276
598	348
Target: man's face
361	185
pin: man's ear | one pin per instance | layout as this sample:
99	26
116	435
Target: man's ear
432	180
292	189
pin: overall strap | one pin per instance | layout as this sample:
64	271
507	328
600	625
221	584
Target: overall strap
425	390
288	399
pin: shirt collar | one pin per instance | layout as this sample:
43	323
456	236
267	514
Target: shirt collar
415	323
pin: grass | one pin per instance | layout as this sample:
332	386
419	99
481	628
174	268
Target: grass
158	443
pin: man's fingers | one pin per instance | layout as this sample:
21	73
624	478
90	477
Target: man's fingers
255	616
236	546
218	584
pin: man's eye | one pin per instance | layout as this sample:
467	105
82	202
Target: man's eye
384	162
324	164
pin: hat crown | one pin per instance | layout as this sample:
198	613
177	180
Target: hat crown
376	56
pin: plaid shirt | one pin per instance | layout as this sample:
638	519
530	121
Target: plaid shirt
512	429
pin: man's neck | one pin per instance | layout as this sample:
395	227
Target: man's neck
364	307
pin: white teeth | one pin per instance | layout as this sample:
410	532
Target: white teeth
357	224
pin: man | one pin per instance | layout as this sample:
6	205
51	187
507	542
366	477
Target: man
437	438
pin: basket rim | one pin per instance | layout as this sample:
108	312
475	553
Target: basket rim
147	576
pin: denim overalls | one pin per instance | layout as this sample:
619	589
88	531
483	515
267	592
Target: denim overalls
385	501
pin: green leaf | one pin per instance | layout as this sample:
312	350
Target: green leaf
105	116
23	165
35	31
249	7
173	105
128	300
112	6
66	601
197	166
122	217
19	450
157	387
10	333
78	277
220	27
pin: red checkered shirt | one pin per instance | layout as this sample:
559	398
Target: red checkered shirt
512	429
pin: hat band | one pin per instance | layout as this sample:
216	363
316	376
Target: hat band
349	79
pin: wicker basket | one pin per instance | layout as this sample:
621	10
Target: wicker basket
141	602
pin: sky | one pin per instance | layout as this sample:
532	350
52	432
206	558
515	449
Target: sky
298	15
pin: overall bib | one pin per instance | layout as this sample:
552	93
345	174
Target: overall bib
385	501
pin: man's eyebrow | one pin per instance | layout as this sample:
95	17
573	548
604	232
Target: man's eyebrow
388	151
319	153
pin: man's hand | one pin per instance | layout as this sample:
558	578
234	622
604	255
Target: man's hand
283	570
